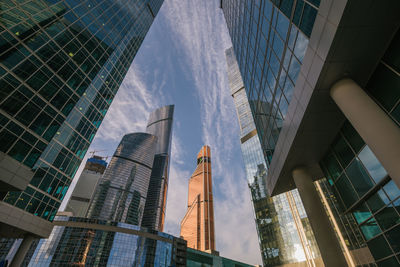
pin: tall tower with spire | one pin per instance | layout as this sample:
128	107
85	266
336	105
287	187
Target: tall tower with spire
197	227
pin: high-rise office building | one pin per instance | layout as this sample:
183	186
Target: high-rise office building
119	203
133	188
121	194
91	242
61	64
78	203
197	227
294	243
329	71
160	125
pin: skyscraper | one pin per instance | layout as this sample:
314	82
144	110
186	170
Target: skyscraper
294	243
121	194
133	188
83	192
61	64
197	227
111	233
329	71
160	125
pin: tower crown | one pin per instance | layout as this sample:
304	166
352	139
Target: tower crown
204	155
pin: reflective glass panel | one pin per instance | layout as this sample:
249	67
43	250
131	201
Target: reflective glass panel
370	229
387	217
346	191
361	213
377	201
343	151
351	135
392	190
359	177
372	164
379	247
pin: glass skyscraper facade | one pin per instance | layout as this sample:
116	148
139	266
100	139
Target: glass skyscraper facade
121	194
119	199
322	79
61	64
133	189
269	39
89	242
159	125
283	229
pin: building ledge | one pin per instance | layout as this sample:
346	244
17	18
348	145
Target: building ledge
348	40
14	176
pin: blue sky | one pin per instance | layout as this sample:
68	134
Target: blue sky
182	62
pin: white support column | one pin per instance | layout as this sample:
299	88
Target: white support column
328	244
379	132
22	250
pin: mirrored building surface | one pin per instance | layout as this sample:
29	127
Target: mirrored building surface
283	228
61	64
90	242
328	70
121	194
159	125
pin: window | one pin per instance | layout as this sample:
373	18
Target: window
332	166
384	85
379	247
346	191
377	201
354	139
370	229
387	217
392	190
343	151
359	177
19	150
371	163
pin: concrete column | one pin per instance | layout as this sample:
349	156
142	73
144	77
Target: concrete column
328	244
379	132
22	250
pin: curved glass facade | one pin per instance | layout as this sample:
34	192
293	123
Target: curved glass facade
121	194
160	125
61	64
90	242
284	232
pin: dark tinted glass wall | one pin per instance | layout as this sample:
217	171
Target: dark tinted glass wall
270	39
357	177
61	64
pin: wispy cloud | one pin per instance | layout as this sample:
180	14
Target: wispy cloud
202	37
197	33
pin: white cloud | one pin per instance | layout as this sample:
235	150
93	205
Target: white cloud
202	37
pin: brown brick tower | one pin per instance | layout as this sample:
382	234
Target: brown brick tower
197	227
